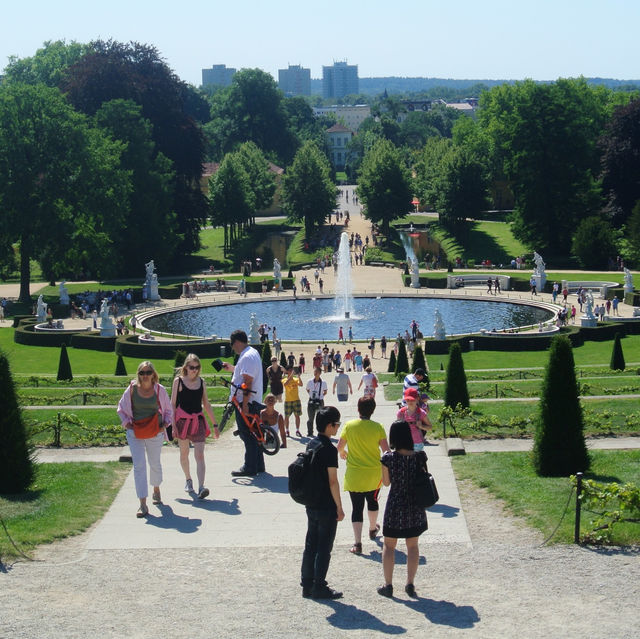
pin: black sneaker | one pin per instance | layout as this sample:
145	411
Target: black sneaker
306	592
241	472
325	593
386	591
411	591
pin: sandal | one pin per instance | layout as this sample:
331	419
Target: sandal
156	499
356	549
143	511
374	533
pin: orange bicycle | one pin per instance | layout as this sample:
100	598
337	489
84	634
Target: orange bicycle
266	436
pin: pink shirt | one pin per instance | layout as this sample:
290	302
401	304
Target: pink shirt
417	433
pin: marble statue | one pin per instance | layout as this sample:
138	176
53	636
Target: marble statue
107	327
628	281
254	335
537	258
276	269
150	268
41	309
151	283
589	305
415	273
64	294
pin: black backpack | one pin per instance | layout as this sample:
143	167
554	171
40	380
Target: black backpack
301	476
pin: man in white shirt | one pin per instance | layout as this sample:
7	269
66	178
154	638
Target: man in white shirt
248	371
317	389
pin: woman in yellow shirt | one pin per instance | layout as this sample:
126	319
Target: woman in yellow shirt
361	441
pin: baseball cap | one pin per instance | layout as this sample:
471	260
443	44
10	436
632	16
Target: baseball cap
420	371
411	393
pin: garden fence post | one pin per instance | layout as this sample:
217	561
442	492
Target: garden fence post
576	531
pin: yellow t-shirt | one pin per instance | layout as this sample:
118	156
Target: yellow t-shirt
291	387
364	470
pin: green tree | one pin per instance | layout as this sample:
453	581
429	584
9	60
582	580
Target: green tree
150	222
402	361
391	368
429	170
64	366
455	386
544	138
309	195
617	356
559	445
121	369
16	463
283	359
594	243
62	189
231	198
252	109
384	185
261	179
418	360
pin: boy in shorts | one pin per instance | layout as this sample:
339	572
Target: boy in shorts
292	404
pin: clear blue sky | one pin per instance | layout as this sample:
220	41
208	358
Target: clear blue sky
493	39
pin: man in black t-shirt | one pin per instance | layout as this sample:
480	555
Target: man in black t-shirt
324	513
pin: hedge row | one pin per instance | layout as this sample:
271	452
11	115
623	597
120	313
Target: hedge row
129	346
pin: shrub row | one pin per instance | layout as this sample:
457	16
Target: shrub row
128	346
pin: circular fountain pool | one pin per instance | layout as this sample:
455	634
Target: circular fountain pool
319	319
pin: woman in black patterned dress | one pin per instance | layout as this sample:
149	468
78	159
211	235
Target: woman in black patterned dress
403	518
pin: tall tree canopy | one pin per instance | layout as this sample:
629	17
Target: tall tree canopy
309	194
63	193
384	186
621	161
545	136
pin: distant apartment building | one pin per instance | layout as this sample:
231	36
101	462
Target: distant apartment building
351	116
218	74
339	80
338	138
295	80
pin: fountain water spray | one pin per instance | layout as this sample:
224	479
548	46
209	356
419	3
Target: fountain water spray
344	284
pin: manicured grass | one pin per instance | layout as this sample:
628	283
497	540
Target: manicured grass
541	500
64	500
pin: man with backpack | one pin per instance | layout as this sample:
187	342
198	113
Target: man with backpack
323	505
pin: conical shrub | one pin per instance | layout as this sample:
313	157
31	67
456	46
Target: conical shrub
559	448
283	359
178	358
402	362
418	360
16	463
121	369
64	366
266	362
392	362
617	356
455	389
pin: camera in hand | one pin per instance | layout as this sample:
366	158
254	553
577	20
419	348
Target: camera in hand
217	364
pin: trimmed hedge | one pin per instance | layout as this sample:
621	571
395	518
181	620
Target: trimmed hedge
93	341
427	281
26	334
633	299
129	346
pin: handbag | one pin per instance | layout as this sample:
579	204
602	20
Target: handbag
147	427
424	488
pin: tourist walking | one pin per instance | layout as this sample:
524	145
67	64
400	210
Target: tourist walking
370	382
403	518
342	385
360	443
144	410
271	417
292	404
189	398
317	389
247	374
415	416
383	346
325	511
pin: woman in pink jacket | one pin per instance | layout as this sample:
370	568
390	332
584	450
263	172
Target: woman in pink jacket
145	410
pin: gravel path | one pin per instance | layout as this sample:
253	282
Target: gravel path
505	586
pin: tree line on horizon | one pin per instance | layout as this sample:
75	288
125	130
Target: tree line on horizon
102	150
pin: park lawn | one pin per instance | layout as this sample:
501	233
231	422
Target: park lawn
541	501
65	500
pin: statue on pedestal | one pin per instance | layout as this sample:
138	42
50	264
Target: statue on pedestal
107	327
628	281
41	309
151	282
415	273
540	265
64	293
589	306
254	335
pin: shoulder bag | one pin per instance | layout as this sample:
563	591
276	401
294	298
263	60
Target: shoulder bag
424	487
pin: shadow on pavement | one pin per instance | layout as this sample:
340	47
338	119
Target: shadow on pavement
169	519
214	505
446	511
444	613
349	617
266	482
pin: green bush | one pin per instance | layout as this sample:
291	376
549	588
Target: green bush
617	356
121	369
418	360
455	390
64	365
559	447
283	359
16	464
178	358
402	362
392	362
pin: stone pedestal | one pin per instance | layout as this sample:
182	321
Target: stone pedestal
541	280
588	322
153	289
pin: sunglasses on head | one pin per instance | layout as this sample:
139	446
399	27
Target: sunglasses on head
145	373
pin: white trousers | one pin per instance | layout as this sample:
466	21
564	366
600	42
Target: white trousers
141	451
